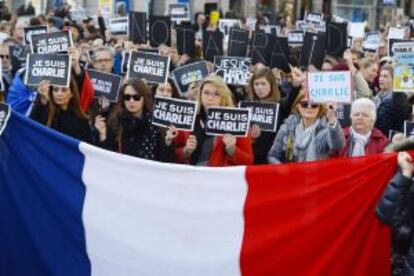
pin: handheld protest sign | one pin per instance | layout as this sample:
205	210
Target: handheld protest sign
225	25
185	75
160	30
261	48
403	80
228	120
391	47
272	29
356	29
185	41
179	113
262	114
51	43
280	54
336	41
137	27
18	55
28	31
238	43
343	114
118	26
153	68
105	84
234	70
313	51
314	17
5	112
396	33
332	86
55	68
295	38
179	12
212	45
402	48
408	129
372	41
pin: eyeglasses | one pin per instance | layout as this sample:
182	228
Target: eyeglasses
215	94
4	56
134	97
306	104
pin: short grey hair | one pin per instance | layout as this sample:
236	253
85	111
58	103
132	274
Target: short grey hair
103	49
365	102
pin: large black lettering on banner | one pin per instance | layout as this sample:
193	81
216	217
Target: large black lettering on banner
179	113
51	43
185	75
153	68
105	84
261	48
160	30
238	42
137	27
18	55
337	35
262	114
28	31
314	49
212	45
186	40
234	70
227	120
5	111
54	68
280	55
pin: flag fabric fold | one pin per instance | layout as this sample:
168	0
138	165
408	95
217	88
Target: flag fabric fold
68	208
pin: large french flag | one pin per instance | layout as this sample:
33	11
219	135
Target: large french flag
68	208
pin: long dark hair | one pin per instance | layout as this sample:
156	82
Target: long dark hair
73	106
142	89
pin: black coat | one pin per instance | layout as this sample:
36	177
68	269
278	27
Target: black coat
396	209
66	122
137	137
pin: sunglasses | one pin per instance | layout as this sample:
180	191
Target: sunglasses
134	97
4	56
306	104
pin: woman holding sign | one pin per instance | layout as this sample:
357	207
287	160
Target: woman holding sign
200	149
263	88
129	129
311	133
59	108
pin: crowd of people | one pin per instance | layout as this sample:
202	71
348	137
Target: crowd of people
306	130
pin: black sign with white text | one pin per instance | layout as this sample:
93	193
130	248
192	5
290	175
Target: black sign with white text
51	43
18	55
343	113
5	111
295	38
118	26
54	68
408	129
179	12
105	84
262	114
185	75
28	31
228	120
153	68
234	70
179	113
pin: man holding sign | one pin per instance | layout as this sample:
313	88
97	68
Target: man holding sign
225	149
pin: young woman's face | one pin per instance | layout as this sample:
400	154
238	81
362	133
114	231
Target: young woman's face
370	73
210	96
61	96
134	103
193	90
164	90
385	80
307	110
262	88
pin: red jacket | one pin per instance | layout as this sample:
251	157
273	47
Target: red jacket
219	157
376	143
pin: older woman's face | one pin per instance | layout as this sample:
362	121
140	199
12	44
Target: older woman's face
210	96
307	110
362	120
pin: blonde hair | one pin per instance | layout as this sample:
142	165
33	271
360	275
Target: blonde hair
225	93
